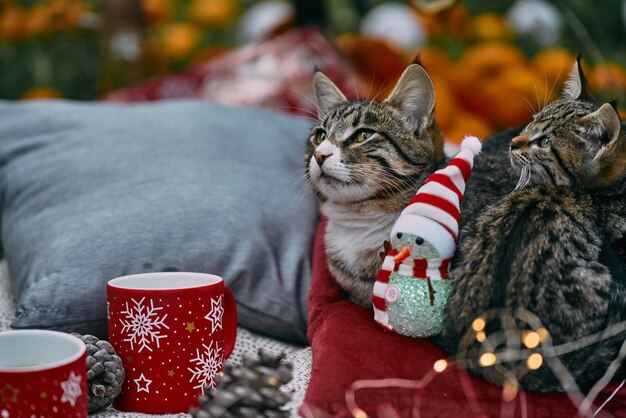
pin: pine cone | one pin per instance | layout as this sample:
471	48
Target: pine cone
250	390
105	372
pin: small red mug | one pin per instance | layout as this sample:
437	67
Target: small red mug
173	332
42	374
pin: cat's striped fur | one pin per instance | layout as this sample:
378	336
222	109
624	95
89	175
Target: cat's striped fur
548	247
365	160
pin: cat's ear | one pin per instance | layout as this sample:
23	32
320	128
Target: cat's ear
414	94
607	123
611	158
327	94
576	87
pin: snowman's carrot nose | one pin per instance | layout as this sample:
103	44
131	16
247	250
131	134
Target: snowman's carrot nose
404	253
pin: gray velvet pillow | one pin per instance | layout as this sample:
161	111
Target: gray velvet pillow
92	191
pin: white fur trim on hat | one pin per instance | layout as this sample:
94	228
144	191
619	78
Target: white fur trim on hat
430	230
433	213
472	143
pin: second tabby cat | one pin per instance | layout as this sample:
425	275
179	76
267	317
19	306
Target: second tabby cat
548	247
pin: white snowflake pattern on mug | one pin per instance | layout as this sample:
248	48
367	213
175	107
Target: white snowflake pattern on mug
143	324
208	364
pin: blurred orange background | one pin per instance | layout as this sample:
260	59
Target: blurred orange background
489	72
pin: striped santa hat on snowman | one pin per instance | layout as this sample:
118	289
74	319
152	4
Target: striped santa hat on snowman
434	212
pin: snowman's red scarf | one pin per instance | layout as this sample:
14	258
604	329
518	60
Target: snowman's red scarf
420	268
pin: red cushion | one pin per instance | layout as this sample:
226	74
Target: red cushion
348	346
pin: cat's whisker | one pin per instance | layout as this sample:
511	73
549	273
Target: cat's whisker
355	83
375	98
306	97
389	184
295	204
299	177
388	177
313	116
536	95
530	106
298	197
313	102
366	170
298	108
378	92
554	83
371	84
296	190
545	97
524	177
299	115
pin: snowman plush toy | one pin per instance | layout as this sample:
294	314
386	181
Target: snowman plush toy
412	286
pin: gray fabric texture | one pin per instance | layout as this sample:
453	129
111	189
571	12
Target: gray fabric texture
92	191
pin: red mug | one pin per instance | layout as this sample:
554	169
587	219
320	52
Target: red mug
42	374
173	332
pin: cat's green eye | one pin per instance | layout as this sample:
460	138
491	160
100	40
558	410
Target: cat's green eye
320	136
362	136
544	141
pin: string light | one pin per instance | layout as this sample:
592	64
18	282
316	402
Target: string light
440	365
534	361
509	391
531	339
478	324
511	352
487	359
359	413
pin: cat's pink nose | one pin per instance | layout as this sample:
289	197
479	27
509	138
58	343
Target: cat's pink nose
321	156
520	142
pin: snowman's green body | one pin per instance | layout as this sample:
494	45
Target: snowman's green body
412	313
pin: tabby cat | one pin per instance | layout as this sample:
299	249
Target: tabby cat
365	160
547	246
